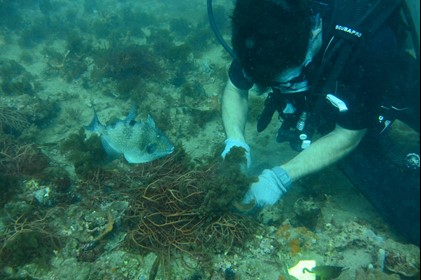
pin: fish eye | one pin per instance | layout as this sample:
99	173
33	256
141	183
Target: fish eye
132	122
151	148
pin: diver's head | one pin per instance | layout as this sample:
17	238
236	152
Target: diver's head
270	36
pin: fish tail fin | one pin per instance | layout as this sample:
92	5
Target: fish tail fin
95	123
132	114
151	121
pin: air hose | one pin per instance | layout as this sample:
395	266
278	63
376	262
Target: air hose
216	30
412	30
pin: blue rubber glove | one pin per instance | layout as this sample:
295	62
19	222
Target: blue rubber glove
272	184
229	143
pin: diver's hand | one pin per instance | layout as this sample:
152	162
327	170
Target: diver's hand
229	143
272	184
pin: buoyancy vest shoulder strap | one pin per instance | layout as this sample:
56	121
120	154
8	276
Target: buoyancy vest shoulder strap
351	22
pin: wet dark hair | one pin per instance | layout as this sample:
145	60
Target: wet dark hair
270	36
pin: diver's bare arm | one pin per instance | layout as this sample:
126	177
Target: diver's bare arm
324	152
234	111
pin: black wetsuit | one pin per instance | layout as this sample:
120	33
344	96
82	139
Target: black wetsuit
383	72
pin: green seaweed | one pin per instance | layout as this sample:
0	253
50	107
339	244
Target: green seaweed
75	43
10	16
129	66
200	40
12	121
7	187
86	154
21	160
181	27
42	112
35	33
228	185
15	79
202	118
28	238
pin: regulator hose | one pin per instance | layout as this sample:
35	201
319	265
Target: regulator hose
412	30
216	30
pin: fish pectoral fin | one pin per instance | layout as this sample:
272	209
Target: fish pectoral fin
135	157
109	149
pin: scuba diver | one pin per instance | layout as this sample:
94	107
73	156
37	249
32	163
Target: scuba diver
339	68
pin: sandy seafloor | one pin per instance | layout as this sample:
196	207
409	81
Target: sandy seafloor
65	81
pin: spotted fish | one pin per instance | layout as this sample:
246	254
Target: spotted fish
326	272
138	142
